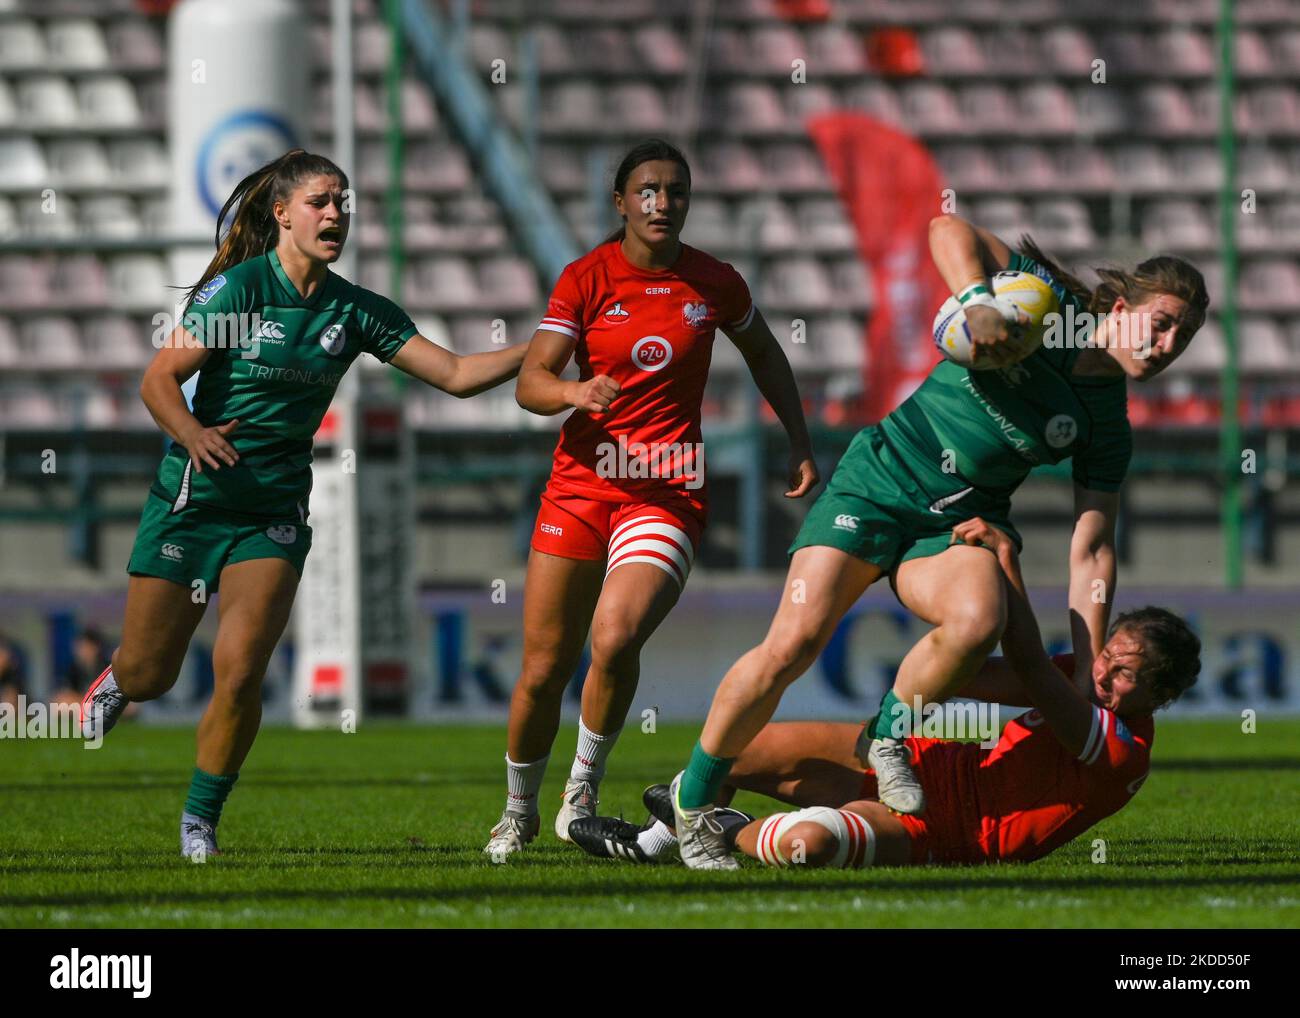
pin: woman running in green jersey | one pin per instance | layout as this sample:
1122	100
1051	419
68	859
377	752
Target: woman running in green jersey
956	449
270	331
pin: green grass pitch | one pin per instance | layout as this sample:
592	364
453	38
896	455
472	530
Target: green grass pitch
384	828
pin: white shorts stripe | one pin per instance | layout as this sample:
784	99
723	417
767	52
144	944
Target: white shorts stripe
652	560
651	546
654	528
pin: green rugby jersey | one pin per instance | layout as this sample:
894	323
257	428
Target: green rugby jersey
990	428
276	373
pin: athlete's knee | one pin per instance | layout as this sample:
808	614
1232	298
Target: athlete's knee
615	643
143	677
975	627
810	844
544	675
790	653
817	837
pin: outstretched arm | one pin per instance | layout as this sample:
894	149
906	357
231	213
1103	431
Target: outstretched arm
1067	711
1092	575
771	372
458	375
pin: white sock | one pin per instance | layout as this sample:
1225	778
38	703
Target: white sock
523	781
656	840
593	751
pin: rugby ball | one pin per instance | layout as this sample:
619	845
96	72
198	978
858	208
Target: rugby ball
1026	292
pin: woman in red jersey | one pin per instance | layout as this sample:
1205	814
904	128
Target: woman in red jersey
621	518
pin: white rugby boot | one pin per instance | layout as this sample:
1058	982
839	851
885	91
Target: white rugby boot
699	835
511	834
579	801
896	784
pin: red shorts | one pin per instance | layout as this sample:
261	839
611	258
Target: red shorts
661	534
943	834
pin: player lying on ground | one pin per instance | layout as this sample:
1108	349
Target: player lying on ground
623	513
1064	766
956	449
229	505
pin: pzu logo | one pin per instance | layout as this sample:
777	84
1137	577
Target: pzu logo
652	353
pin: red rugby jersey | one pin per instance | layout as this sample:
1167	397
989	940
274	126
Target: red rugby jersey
1028	795
651	330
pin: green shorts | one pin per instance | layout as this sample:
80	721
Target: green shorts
874	510
198	542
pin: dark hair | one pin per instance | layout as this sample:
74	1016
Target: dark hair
254	230
1161	274
1171	651
650	150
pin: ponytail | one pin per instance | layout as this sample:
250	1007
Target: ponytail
254	230
1161	274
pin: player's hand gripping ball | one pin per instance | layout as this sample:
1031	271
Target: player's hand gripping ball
1025	302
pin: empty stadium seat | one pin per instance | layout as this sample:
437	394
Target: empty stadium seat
955	48
1270	283
824	224
637	107
10	352
1044	108
47	100
1178	224
834	49
1063	223
110	215
660	49
1142	166
709	225
1004	217
80	162
775	47
1182	50
52	217
8	105
507	283
1067	49
51	341
136	44
138	281
108	100
75	44
986	108
1263	347
1204	354
930	108
753	107
729	165
873	98
25	281
8	219
138	161
797	284
116	343
22	45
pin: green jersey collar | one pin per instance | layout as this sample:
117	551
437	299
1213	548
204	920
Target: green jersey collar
291	290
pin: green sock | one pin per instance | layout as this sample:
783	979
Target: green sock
703	779
894	720
208	794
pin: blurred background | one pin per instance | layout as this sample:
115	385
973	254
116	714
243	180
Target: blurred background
481	137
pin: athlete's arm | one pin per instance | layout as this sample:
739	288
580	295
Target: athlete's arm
160	389
965	255
1068	713
461	376
770	369
1092	576
541	390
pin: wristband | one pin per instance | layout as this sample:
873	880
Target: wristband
975	290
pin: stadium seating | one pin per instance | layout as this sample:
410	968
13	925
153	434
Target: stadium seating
82	104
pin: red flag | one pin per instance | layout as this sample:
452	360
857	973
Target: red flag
891	187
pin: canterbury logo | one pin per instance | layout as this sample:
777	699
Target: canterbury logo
846	522
269	330
939	505
172	551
